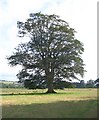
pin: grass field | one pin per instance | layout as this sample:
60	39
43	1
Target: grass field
68	103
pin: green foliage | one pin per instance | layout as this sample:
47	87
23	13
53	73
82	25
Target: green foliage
42	85
35	84
90	84
63	84
97	83
52	52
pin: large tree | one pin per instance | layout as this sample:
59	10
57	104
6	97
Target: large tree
52	53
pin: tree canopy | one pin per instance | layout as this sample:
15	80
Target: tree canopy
52	53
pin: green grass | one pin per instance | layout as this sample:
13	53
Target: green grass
68	103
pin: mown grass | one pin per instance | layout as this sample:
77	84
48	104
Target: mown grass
68	103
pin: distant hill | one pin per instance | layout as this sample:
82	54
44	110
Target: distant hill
10	84
8	81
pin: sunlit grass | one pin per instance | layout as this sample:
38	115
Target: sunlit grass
64	95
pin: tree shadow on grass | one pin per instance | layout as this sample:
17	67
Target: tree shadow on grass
60	109
33	93
11	94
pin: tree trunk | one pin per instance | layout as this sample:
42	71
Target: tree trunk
49	71
50	78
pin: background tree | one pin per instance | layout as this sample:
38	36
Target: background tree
97	82
82	84
90	84
52	52
63	84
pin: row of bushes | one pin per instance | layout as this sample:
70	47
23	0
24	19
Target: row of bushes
57	85
60	85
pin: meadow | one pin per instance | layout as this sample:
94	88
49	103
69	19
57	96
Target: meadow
67	103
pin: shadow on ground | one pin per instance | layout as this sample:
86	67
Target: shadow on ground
9	94
61	109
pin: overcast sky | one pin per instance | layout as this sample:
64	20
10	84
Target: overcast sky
80	14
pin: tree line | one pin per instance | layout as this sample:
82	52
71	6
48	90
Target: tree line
57	85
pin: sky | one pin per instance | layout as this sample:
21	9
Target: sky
80	14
